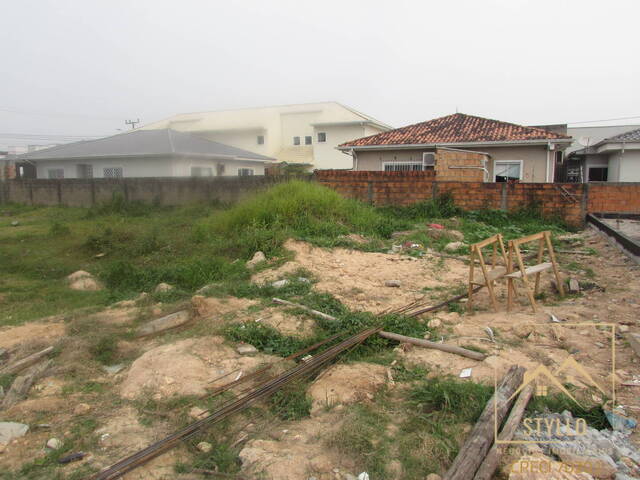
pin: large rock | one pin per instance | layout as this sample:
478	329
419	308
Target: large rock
453	246
165	323
11	430
258	257
600	466
82	280
163	288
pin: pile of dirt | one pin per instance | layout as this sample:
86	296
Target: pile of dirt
358	278
217	307
186	367
346	383
34	332
294	451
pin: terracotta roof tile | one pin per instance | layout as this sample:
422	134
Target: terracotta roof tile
456	128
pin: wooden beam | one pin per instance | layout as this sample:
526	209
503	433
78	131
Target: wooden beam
481	438
23	363
324	316
22	384
436	346
490	463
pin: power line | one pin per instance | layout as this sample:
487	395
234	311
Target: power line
604	120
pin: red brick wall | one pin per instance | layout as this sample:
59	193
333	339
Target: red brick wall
571	201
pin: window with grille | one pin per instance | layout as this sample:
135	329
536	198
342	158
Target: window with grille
322	137
307	140
507	171
245	172
112	172
201	171
56	173
85	171
402	166
428	161
260	139
296	140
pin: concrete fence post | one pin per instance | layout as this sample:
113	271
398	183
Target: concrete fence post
584	204
370	192
504	197
434	190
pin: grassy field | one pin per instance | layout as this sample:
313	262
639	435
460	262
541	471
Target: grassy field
132	247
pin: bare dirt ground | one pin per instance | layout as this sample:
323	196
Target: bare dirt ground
358	279
168	367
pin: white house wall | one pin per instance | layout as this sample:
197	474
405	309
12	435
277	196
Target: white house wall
147	167
132	167
279	125
629	165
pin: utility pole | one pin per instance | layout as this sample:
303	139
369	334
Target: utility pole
132	123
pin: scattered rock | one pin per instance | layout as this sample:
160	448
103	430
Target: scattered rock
54	444
280	283
453	246
15	223
574	286
165	323
600	466
113	369
456	235
11	430
522	470
83	281
434	323
623	328
392	283
433	476
163	288
204	447
246	349
82	409
143	297
258	257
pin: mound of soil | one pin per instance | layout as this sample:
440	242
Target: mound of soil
186	367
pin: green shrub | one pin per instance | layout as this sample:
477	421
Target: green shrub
558	403
291	403
105	349
58	229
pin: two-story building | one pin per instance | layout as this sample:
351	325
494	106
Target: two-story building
303	134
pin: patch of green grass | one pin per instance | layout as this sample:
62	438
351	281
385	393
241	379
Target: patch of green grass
222	458
363	438
558	403
291	403
104	349
457	401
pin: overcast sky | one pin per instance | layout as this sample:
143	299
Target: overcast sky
83	67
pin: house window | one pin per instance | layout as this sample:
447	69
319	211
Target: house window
296	140
402	166
245	172
56	173
322	137
307	140
112	172
507	171
85	171
559	156
598	174
220	169
260	139
201	171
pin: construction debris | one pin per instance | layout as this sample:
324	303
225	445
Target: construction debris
307	309
23	363
174	320
22	384
480	439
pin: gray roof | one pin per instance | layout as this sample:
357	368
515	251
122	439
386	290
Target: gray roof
145	142
631	136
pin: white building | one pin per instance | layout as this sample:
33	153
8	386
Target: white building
144	153
604	154
304	133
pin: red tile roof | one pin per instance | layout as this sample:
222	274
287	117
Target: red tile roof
456	128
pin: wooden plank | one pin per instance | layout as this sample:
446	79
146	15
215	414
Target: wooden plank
480	440
436	346
493	275
541	267
528	238
487	241
23	363
22	384
490	463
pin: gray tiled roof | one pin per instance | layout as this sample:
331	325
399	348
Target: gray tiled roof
144	142
631	136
